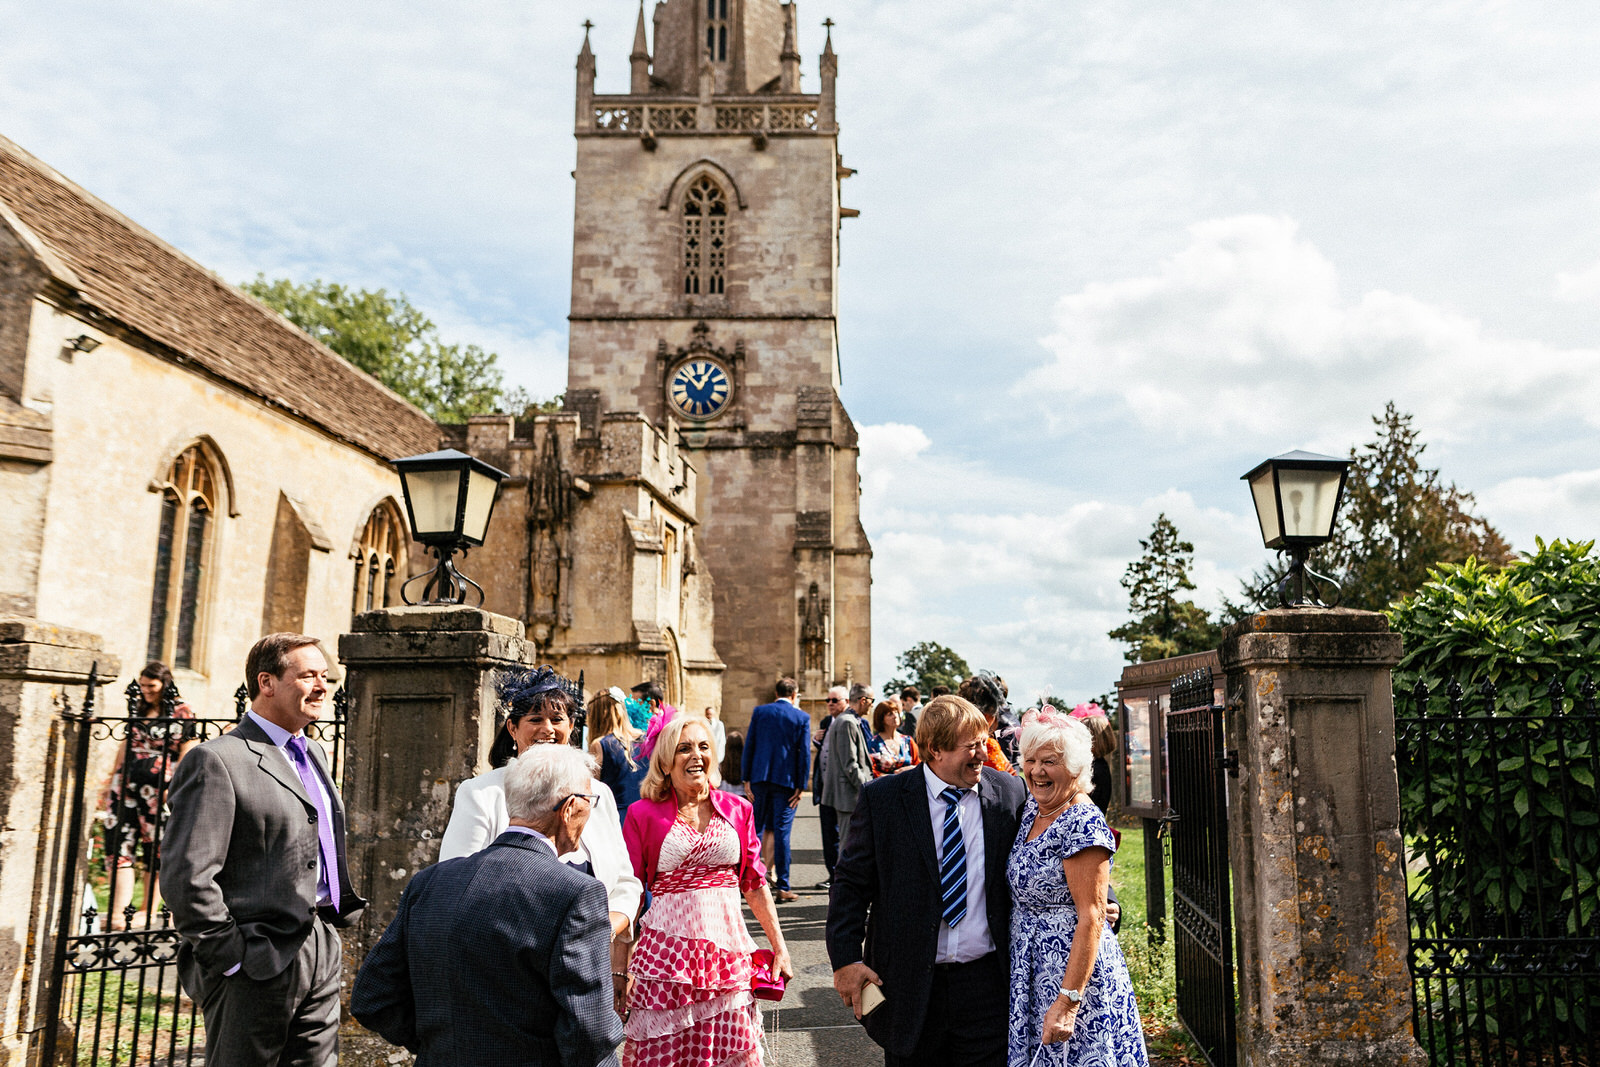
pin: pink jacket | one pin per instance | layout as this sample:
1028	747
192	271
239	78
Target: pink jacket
647	823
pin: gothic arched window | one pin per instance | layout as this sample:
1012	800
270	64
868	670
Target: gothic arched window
717	30
188	505
380	556
705	239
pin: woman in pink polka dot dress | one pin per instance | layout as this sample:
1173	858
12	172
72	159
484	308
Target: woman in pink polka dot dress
687	985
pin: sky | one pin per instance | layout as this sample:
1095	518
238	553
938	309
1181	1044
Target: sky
1110	254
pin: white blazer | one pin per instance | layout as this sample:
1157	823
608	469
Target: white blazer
479	816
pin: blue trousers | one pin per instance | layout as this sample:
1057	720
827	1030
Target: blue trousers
774	814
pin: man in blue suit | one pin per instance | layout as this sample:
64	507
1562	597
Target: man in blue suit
777	749
502	956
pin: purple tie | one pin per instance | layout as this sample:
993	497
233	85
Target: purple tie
327	877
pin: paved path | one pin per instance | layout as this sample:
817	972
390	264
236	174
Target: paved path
810	1026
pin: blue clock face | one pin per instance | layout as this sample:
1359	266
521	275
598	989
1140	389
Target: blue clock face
700	389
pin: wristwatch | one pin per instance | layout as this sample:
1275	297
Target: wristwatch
1072	995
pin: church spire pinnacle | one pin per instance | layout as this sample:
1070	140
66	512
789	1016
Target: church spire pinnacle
828	67
586	81
639	58
789	56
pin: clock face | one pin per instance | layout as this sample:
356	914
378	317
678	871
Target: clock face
700	389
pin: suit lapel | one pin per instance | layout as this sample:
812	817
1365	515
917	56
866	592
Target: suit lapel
996	850
271	760
914	796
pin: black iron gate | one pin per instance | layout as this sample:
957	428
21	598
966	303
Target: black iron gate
115	1000
1499	811
1202	901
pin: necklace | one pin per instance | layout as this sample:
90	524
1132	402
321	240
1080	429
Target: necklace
1050	813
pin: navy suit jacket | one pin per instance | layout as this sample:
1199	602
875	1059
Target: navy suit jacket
499	957
885	908
777	745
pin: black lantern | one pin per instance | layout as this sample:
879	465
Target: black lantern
449	498
1297	497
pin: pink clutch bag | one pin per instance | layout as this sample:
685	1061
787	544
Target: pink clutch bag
765	982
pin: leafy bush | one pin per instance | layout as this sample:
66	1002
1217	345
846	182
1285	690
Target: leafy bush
1498	759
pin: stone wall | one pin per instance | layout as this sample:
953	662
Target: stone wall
778	499
117	417
43	672
595	547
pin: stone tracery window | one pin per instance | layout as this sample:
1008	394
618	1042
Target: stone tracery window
380	556
717	30
705	239
188	505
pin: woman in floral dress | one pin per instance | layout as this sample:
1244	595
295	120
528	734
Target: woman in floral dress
889	750
134	799
687	985
1071	994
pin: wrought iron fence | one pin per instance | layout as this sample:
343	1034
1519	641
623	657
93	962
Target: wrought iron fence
1502	826
115	988
1202	896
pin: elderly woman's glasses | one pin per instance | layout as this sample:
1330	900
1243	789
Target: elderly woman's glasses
592	798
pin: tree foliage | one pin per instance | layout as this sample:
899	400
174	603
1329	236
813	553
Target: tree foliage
1498	768
1163	625
927	664
393	341
1398	521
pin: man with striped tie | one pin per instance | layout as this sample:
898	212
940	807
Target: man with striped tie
920	905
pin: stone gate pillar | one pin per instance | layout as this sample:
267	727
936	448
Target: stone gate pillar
43	668
422	714
1314	841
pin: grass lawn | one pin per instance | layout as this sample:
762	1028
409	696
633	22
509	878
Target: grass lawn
1154	983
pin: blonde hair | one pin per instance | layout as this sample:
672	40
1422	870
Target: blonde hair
657	784
606	716
1069	737
1103	739
945	719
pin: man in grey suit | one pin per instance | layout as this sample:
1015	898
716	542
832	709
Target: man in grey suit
254	871
502	957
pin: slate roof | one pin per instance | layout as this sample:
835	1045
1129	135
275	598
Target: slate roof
127	274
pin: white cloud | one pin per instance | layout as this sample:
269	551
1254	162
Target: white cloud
1244	334
1561	505
1012	572
1579	287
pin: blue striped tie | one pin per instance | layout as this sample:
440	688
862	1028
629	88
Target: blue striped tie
953	868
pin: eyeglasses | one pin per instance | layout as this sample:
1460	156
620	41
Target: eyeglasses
835	700
592	798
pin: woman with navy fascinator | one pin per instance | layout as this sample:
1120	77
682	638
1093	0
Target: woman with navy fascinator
539	707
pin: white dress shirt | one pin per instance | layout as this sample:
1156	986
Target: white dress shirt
970	939
531	832
479	816
280	739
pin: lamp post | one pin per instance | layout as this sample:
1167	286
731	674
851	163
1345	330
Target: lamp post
1297	497
449	498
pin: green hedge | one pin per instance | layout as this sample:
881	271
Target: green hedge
1497	790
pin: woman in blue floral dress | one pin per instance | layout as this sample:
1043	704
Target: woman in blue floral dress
1070	994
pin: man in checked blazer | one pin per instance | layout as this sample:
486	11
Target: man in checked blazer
253	868
920	906
503	957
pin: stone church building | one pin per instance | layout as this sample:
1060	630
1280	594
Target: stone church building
705	269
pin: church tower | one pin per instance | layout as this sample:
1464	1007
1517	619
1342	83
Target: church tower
705	296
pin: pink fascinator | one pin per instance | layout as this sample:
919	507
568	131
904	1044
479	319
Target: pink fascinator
1088	711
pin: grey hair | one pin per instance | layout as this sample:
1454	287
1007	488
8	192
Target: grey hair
859	692
1067	736
841	691
537	780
